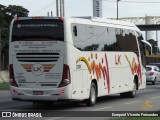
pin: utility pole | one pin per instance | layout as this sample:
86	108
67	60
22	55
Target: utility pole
63	8
51	14
117	8
1	30
57	7
157	41
60	8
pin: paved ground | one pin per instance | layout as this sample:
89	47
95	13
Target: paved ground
146	100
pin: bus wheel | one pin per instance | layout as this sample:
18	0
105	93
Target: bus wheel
93	95
154	82
123	95
132	93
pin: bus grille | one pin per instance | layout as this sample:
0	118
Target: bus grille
37	57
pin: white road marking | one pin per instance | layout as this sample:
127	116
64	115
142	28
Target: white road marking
101	108
158	97
132	102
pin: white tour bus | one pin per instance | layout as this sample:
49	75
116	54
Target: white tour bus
57	59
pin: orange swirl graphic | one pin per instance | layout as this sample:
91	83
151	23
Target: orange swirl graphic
97	69
135	68
85	61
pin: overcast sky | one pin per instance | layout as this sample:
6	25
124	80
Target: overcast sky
84	7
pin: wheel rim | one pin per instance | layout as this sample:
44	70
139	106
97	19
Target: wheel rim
134	88
93	94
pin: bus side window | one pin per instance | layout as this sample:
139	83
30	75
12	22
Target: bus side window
75	30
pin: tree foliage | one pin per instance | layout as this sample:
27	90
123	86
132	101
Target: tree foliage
154	44
7	13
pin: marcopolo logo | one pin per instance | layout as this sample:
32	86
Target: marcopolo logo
37	69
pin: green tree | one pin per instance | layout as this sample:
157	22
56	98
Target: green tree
155	47
7	13
15	11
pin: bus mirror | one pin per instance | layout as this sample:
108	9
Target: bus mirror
147	46
75	30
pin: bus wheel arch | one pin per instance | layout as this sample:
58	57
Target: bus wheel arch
136	81
91	101
95	82
132	94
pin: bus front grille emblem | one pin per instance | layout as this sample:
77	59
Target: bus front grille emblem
37	69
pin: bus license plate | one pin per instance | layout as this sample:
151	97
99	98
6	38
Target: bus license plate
37	92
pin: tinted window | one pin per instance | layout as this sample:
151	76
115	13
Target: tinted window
49	29
121	40
156	68
99	38
148	68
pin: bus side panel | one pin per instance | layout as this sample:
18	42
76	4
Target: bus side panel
80	79
77	84
101	64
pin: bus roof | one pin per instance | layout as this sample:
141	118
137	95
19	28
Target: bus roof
109	21
87	19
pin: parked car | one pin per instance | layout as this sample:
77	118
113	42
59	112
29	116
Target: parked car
152	74
156	64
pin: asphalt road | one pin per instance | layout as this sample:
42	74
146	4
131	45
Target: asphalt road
146	100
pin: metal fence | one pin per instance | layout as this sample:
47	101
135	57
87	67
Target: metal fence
152	60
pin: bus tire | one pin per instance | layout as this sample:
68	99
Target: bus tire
123	95
93	95
132	93
155	81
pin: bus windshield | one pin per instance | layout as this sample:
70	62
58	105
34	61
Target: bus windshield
40	29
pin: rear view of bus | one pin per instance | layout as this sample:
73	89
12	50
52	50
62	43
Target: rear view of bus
36	56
